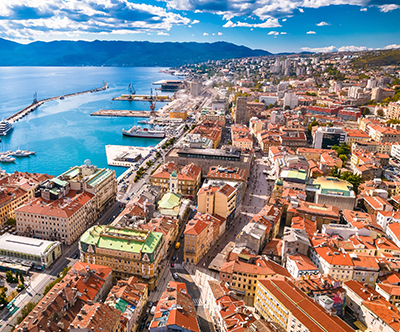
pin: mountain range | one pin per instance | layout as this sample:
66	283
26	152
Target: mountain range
118	53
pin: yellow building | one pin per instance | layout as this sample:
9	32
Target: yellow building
356	135
178	114
198	236
220	200
127	251
16	189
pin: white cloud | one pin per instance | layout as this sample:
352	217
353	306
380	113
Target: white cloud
270	23
195	21
205	34
332	48
283	33
322	24
352	48
273	33
363	9
189	26
213	34
301	10
162	33
388	8
220	33
311	33
388	47
284	20
50	19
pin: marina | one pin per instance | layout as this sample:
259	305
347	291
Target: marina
149	98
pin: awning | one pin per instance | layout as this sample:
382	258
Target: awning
360	326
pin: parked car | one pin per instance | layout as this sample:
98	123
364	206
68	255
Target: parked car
141	328
175	275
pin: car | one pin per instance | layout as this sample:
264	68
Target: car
172	265
175	275
141	328
75	256
182	236
148	325
145	318
173	258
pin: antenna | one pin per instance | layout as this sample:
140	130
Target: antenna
87	162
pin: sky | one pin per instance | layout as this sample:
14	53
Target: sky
273	25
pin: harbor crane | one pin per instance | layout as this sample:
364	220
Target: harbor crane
132	90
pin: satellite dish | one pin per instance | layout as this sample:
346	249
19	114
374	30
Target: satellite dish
87	162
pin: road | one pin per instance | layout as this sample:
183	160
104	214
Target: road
34	292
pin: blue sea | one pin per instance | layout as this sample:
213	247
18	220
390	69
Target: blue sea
62	132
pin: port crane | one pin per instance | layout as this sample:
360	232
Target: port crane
153	103
132	90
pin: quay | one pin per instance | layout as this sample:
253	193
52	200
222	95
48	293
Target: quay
36	103
143	98
122	113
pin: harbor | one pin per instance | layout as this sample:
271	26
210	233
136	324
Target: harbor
122	113
36	103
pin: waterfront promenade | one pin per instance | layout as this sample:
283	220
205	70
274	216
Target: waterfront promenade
20	114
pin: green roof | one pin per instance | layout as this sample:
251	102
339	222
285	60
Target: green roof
122	239
169	201
121	305
73	172
331	185
293	174
174	175
99	176
59	182
279	182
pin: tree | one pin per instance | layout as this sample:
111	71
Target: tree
343	157
312	124
9	277
21	278
354	179
393	121
342	149
366	111
25	311
380	112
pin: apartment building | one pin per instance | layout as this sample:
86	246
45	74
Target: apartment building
101	182
279	300
175	310
217	199
241	137
63	219
128	251
200	233
242	275
187	178
212	130
16	189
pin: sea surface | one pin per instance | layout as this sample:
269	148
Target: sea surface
62	132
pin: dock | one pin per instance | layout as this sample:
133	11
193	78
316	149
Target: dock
125	156
122	113
149	98
20	114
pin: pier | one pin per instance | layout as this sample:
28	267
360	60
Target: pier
20	114
122	113
143	98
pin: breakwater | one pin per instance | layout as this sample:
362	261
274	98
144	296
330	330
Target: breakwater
25	111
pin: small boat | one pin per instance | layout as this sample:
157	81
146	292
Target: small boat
6	159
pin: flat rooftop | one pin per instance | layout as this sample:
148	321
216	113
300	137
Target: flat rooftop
25	245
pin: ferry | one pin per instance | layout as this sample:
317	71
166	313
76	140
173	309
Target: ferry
137	131
5	127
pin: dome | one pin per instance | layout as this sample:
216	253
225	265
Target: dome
174	175
279	182
299	113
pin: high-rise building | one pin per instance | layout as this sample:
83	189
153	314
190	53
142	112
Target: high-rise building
242	114
326	137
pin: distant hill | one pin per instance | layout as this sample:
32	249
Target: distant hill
378	58
118	53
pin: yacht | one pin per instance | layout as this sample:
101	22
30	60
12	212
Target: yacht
6	159
22	153
5	127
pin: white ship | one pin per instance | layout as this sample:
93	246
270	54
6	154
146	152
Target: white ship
6	159
137	131
5	127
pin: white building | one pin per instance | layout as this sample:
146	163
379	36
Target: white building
383	218
290	99
300	265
